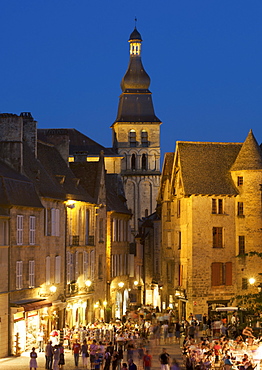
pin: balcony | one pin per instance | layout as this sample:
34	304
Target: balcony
72	287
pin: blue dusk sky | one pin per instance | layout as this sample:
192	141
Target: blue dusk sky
63	62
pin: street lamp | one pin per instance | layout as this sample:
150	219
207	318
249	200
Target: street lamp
88	283
121	284
252	281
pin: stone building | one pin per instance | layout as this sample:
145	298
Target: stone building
210	198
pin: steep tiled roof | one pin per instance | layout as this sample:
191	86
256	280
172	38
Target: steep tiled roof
51	175
16	189
205	167
78	142
250	155
115	196
88	173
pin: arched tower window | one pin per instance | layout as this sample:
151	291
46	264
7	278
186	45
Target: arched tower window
144	138
132	138
133	162
144	162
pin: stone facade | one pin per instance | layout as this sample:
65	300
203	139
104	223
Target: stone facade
211	217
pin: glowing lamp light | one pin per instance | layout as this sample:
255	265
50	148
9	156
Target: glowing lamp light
70	203
136	283
88	283
105	303
52	289
121	284
252	281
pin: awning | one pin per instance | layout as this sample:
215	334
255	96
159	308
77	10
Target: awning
32	304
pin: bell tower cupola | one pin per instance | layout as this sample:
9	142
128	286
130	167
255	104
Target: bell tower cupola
136	136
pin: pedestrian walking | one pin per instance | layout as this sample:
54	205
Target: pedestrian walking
62	356
147	360
56	357
164	360
131	365
33	357
76	350
85	354
49	352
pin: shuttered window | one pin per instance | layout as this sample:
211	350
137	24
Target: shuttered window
57	269
19	275
19	228
31	274
221	273
32	230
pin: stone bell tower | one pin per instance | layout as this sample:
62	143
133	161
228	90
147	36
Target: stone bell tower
136	137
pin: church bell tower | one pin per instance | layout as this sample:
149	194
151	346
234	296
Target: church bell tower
136	136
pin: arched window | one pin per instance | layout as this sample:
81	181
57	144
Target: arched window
144	162
133	162
132	138
144	138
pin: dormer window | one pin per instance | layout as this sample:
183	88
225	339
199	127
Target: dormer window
132	138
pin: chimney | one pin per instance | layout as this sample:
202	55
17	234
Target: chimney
30	131
11	140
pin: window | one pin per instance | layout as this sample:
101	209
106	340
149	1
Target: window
92	265
132	138
32	230
101	230
178	208
179	240
221	273
133	162
244	283
19	275
100	266
4	238
86	265
180	275
87	226
144	138
47	270
168	211
217	206
240	208
55	222
19	228
57	269
31	274
144	162
70	267
169	240
217	237
240	180
241	245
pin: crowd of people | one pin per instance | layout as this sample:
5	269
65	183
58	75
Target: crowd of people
116	346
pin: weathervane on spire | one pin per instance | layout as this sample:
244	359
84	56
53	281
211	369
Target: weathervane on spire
135	21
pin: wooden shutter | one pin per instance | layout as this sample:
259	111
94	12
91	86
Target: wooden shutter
58	269
216	268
